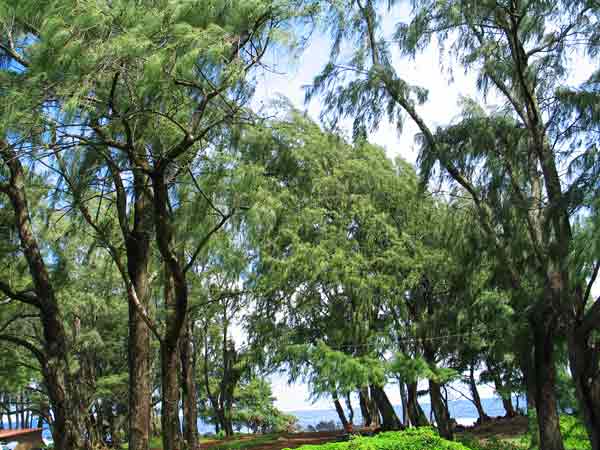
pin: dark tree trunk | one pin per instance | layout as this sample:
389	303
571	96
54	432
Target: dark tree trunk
340	411
188	388
137	237
545	385
363	397
350	409
440	412
583	361
169	355
505	396
483	417
170	398
176	303
68	428
389	417
415	412
140	396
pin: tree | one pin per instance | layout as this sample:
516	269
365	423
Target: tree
508	163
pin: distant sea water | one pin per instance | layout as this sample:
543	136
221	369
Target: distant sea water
462	411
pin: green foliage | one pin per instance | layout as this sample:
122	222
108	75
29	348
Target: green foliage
411	439
573	432
254	409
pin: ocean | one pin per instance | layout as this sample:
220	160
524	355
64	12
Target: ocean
463	411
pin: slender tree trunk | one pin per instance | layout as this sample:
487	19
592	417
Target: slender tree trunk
350	409
176	303
340	410
483	417
189	392
170	398
504	396
363	396
169	355
545	386
440	411
415	412
404	402
389	417
140	397
583	364
22	410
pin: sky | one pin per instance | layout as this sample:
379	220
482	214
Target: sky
287	77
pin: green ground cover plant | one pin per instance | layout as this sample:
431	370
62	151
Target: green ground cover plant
424	438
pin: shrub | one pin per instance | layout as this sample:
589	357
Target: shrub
412	439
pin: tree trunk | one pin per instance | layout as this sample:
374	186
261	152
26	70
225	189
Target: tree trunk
169	355
404	402
363	397
350	409
67	427
137	243
188	388
140	397
389	417
170	398
62	386
176	303
545	386
442	419
415	412
504	396
340	411
583	364
483	417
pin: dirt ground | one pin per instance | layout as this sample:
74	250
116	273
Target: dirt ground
499	428
287	440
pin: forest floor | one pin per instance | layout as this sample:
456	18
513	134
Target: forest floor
509	430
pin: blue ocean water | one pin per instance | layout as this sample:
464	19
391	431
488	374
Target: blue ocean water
462	410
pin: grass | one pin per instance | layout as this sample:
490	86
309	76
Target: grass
412	439
573	432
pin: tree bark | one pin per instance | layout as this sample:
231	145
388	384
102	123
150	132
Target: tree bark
545	385
170	398
363	397
68	428
140	389
389	417
169	355
504	395
415	412
189	392
350	409
340	411
583	363
440	411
